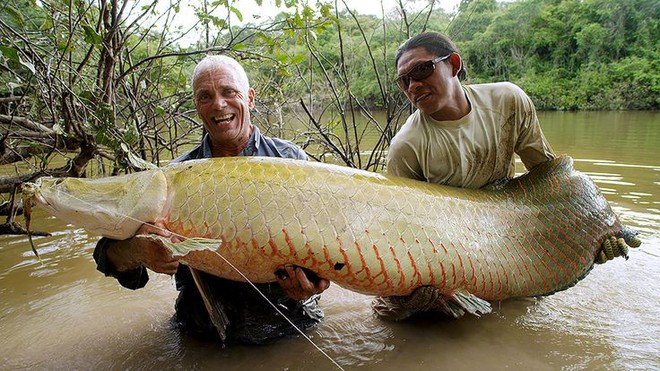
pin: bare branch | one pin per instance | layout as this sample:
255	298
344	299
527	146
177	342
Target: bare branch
11	99
25	123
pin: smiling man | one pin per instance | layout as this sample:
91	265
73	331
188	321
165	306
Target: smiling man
209	306
461	135
223	101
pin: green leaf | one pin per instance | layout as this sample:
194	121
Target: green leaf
102	138
239	46
326	10
15	14
284	72
259	2
130	134
47	25
298	58
238	13
91	36
9	53
64	47
219	22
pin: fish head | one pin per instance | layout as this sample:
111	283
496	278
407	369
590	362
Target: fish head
113	207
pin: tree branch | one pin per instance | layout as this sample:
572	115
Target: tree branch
25	123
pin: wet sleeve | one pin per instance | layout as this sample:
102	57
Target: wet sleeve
531	146
134	279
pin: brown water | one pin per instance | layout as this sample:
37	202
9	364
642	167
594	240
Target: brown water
60	313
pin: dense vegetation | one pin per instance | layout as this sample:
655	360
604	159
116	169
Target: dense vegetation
568	55
108	82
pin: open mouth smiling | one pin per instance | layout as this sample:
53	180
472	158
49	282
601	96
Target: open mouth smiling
223	119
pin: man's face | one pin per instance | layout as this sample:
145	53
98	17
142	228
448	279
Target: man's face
431	94
224	106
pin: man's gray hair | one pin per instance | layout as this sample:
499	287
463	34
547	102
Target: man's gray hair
212	62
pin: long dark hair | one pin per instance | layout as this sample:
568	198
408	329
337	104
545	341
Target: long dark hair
434	43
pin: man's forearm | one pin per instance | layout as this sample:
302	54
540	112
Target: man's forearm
120	257
131	279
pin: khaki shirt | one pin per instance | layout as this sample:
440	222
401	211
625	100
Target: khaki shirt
477	149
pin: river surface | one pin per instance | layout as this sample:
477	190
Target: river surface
60	313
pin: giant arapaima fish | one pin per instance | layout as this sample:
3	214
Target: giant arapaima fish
376	234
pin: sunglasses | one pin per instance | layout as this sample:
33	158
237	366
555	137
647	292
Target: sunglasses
419	72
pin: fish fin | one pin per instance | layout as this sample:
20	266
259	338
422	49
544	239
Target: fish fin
470	303
429	299
213	306
184	247
392	308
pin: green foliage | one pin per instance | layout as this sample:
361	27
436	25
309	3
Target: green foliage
122	86
91	36
567	54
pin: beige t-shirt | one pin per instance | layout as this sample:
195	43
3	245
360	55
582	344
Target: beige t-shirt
477	149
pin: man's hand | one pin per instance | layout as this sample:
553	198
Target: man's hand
297	284
137	251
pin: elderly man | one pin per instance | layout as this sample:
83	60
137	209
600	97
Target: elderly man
460	135
209	306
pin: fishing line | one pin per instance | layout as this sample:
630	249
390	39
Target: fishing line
226	261
279	311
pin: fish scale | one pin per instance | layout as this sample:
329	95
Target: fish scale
344	197
371	233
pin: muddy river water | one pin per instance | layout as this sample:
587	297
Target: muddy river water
60	313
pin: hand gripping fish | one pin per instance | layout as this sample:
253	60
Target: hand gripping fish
371	233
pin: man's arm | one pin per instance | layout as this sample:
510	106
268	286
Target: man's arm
531	145
403	161
131	279
128	259
136	252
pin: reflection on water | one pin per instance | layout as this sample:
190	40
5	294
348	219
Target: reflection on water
57	312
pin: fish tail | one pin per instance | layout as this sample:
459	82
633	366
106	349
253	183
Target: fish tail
614	246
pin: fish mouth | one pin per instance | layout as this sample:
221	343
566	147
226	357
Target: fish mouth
223	119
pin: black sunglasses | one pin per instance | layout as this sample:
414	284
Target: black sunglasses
419	72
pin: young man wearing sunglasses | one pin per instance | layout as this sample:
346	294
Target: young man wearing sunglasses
460	135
